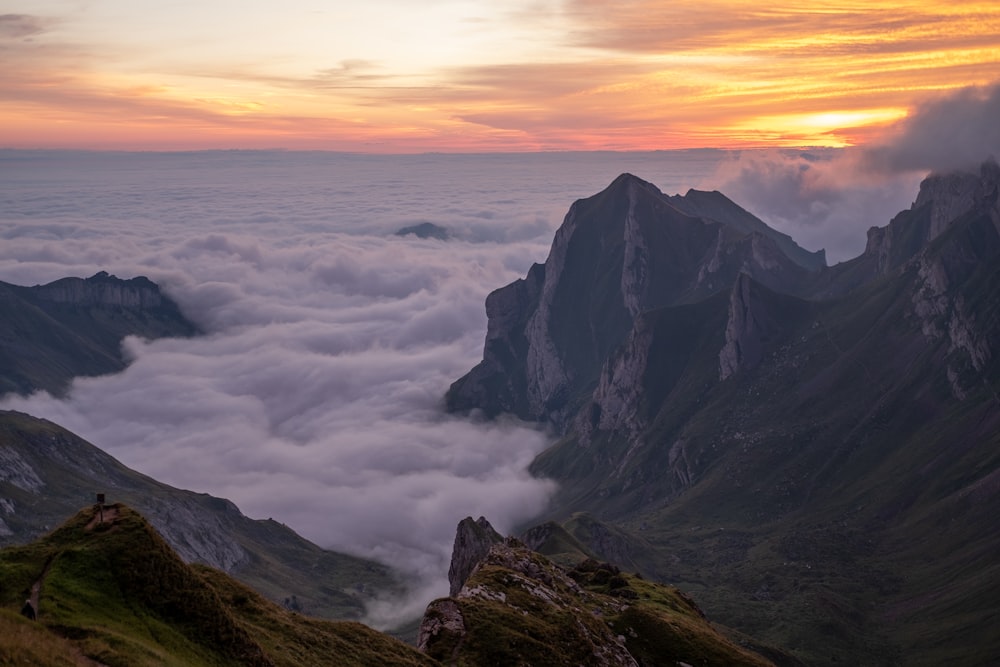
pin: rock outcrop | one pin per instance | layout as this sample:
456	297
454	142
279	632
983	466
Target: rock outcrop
473	540
103	289
517	607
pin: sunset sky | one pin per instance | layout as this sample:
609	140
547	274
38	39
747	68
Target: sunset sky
477	75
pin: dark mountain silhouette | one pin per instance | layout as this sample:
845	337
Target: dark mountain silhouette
812	451
51	333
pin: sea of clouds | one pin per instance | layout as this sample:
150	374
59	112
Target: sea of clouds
315	394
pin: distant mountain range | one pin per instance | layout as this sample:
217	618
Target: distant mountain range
812	451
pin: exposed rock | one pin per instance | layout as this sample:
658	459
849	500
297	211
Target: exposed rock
517	607
951	195
745	331
707	386
618	254
473	540
73	327
102	289
716	206
443	618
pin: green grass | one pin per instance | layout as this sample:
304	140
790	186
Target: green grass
116	593
523	609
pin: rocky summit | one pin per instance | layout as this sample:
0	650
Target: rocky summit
516	607
811	451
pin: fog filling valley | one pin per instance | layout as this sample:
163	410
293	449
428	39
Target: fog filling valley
315	394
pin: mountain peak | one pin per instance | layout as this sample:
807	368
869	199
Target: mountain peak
624	251
473	540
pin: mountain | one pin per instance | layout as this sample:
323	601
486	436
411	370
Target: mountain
618	254
46	473
51	333
107	590
812	452
514	606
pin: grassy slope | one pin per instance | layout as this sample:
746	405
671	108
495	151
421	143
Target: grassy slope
117	594
282	563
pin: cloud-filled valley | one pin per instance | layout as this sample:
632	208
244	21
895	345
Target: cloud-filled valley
315	394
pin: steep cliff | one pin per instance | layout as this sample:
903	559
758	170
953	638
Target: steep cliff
821	446
618	254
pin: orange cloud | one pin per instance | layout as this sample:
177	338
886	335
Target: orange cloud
636	74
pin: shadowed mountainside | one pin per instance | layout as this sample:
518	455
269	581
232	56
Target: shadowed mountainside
51	333
813	452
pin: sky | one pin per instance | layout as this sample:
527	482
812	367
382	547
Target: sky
397	76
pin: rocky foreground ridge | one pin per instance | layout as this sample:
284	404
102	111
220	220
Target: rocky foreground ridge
820	443
105	588
511	605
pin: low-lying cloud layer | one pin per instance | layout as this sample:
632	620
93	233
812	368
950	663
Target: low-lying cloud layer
315	396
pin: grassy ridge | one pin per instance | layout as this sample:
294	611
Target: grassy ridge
277	562
115	593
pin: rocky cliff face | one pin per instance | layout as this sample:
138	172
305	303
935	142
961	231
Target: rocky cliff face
710	388
102	289
473	540
942	199
517	607
618	254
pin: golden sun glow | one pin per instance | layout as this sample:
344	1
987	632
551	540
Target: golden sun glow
470	75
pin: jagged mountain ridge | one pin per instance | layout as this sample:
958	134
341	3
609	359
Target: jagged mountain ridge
832	428
619	253
51	333
47	472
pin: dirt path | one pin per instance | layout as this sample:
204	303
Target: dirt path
105	514
36	588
